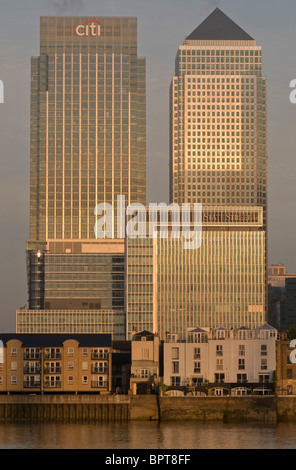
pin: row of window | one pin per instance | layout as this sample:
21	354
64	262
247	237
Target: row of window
51	381
240	378
219	351
35	353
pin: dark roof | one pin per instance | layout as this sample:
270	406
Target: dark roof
122	345
144	333
56	340
219	26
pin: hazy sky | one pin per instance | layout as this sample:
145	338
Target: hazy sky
162	26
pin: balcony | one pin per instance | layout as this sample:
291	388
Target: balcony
99	370
97	356
31	384
57	355
96	384
52	370
32	356
32	370
56	384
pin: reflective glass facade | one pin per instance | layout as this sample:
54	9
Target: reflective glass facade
71	321
218	146
222	283
88	123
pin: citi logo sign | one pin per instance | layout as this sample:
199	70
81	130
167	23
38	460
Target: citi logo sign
90	28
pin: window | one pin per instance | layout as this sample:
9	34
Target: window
219	364
13	379
84	379
13	351
84	352
219	377
263	350
241	350
175	368
70	365
242	378
263	364
70	352
145	353
175	353
264	378
197	368
196	353
1	379
219	350
175	381
13	366
70	380
289	373
85	366
144	373
241	364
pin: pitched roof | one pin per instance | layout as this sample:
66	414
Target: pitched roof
265	326
218	26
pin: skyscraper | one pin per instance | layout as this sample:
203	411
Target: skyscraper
218	157
88	146
88	134
218	147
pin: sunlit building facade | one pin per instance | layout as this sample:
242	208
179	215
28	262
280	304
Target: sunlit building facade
88	146
222	283
218	145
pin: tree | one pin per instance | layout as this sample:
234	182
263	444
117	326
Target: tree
291	333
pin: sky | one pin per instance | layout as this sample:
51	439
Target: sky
162	27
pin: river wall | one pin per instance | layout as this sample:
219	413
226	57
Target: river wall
265	409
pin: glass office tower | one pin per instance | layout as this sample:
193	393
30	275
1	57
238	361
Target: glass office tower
218	158
88	146
88	141
218	145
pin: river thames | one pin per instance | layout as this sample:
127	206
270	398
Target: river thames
147	435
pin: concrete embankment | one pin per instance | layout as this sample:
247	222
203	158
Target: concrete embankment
226	409
146	408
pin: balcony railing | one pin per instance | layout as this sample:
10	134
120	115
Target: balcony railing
99	370
95	384
96	356
54	370
52	355
32	370
56	384
31	357
31	385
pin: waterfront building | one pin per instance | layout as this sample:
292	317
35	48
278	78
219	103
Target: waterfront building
88	146
45	363
145	362
222	360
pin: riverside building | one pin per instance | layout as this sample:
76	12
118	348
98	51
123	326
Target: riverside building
226	361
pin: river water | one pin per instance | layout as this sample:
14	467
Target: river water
147	435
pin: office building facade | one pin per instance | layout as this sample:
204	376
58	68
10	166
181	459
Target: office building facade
88	146
218	149
170	288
